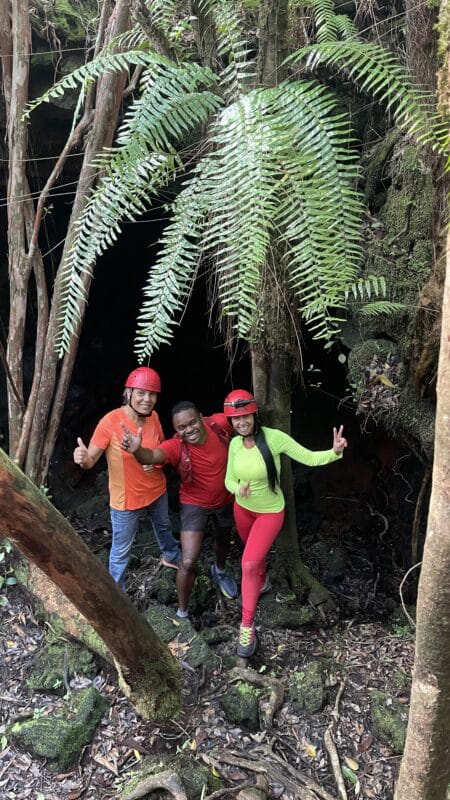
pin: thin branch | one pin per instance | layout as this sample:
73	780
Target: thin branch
331	747
16	394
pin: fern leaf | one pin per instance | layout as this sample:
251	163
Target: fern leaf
377	72
171	278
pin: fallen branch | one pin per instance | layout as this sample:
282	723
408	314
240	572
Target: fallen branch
331	747
269	708
167	780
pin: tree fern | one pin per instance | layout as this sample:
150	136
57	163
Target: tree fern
284	178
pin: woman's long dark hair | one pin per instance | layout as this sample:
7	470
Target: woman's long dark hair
263	447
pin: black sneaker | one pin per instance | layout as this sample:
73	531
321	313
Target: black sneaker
247	641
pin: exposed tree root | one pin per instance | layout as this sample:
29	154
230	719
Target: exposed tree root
167	780
267	708
265	762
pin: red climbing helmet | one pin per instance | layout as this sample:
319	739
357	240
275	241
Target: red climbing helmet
144	378
238	403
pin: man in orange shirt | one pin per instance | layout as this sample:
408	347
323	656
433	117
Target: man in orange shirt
132	487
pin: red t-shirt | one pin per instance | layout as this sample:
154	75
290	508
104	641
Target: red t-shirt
130	486
209	463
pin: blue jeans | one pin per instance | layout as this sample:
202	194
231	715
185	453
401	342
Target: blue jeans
125	526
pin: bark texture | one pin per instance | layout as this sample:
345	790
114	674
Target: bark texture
149	674
425	768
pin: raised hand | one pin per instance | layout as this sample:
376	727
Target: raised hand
339	441
80	454
130	441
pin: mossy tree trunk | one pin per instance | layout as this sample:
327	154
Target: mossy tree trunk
425	767
148	673
276	345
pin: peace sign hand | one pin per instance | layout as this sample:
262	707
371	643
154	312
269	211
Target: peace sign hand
339	441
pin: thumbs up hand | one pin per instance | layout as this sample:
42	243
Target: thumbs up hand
80	454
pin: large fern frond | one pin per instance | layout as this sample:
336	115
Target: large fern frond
169	108
241	188
87	73
171	278
320	212
376	71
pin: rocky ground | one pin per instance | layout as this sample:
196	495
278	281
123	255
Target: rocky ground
273	720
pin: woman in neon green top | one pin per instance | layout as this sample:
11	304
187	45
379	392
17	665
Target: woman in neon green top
252	475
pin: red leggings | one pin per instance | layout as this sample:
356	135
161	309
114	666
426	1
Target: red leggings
258	533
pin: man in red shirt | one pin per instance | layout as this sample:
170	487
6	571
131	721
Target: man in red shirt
132	488
199	452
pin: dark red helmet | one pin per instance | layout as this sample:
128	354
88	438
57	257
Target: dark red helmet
144	378
238	403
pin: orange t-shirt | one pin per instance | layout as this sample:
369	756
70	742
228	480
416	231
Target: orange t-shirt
130	486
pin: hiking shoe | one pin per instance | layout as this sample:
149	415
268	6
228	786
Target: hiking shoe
266	587
247	641
225	582
172	564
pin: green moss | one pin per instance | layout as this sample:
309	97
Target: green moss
289	614
59	738
389	719
307	688
241	705
155	690
56	659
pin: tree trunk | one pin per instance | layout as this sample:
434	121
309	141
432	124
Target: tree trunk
17	29
272	353
108	100
425	767
148	673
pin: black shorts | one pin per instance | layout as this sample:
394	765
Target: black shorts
194	518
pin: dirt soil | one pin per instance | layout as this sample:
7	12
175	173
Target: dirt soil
362	656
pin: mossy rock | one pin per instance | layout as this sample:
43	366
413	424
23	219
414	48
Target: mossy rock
169	628
164	588
307	690
389	720
217	635
195	777
288	613
60	738
56	659
241	705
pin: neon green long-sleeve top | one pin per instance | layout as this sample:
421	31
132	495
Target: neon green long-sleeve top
247	465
